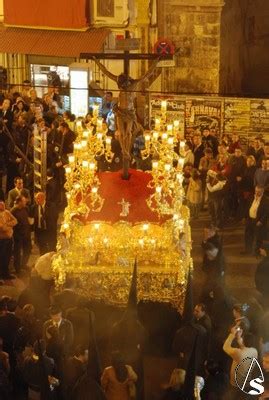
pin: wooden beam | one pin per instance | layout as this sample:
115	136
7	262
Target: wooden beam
130	56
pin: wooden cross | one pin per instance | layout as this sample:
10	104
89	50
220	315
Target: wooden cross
125	112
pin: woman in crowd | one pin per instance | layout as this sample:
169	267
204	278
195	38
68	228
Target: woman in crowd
118	380
194	194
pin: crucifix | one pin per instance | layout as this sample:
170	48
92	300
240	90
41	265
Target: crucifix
125	112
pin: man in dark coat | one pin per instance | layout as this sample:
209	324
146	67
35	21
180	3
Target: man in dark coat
22	234
45	223
262	272
210	141
64	326
79	317
256	221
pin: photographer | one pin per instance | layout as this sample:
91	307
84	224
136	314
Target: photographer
244	350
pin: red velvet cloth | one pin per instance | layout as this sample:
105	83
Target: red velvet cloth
70	14
134	191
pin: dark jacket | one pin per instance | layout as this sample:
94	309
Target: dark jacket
65	332
63	145
198	153
211	142
183	343
247	183
262	276
50	215
23	228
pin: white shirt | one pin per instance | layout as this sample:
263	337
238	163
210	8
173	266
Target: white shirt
254	207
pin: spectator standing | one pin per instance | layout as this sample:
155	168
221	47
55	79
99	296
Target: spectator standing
238	165
217	189
188	157
74	368
65	328
194	194
18	190
210	141
36	367
45	224
261	176
244	350
255	219
240	318
198	149
118	379
206	163
7	222
262	273
22	234
258	149
107	104
235	144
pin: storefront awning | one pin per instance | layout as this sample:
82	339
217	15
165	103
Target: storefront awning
51	42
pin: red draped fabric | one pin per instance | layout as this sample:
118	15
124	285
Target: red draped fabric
134	191
68	14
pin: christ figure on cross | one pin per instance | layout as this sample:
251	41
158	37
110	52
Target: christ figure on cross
126	119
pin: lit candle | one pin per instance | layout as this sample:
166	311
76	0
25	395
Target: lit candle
147	138
78	126
90	239
99	136
176	125
77	186
105	240
85	164
181	163
171	141
169	129
157	124
175	217
65	225
164	137
83	144
163	106
97	226
68	170
79	146
167	167
180	178
141	242
99	124
92	166
108	141
158	189
155	165
86	134
145	227
155	135
71	158
94	190
95	110
75	146
182	145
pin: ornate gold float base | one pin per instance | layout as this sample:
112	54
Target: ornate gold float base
112	285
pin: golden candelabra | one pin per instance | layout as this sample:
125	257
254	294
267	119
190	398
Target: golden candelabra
82	183
167	165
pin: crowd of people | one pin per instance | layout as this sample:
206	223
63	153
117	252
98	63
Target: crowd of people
48	348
